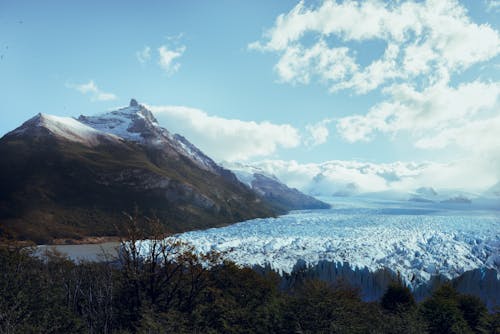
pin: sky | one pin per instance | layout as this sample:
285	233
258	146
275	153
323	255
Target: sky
378	82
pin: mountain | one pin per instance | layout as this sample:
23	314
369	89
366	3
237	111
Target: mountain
280	195
68	178
493	191
137	124
273	190
424	195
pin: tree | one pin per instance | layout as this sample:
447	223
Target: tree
398	298
159	274
32	298
401	311
442	313
474	312
318	307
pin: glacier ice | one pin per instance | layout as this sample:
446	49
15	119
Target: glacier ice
419	243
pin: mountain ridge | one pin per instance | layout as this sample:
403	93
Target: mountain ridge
272	189
69	178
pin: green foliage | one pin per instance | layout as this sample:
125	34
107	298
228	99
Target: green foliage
474	312
448	312
32	296
401	314
398	298
153	293
317	307
238	300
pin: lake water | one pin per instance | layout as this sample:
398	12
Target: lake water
87	252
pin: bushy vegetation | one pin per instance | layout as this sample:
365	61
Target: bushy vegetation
205	294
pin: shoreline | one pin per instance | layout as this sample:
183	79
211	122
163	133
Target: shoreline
92	240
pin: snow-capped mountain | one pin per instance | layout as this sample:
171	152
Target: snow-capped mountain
272	189
133	123
68	178
429	195
246	173
494	191
415	182
137	124
63	127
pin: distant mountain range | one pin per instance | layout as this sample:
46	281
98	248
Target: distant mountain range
398	181
70	178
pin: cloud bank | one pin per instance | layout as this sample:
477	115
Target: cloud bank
227	139
343	178
427	40
423	94
426	113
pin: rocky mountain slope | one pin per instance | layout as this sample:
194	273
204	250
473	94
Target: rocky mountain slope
68	178
273	190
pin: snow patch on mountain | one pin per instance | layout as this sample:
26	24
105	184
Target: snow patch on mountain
245	173
136	123
67	128
133	123
196	154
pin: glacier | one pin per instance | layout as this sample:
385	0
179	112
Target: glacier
420	241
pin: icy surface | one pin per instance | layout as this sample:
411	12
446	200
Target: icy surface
136	123
117	122
68	128
416	241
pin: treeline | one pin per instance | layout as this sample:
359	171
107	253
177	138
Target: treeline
168	288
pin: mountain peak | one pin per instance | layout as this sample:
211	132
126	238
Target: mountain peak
133	103
63	127
133	122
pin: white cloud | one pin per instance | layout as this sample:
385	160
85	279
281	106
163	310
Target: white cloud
227	139
493	5
431	40
90	88
168	54
480	136
318	133
436	109
144	55
398	179
168	58
299	64
425	45
466	117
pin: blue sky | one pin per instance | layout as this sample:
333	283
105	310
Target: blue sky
268	79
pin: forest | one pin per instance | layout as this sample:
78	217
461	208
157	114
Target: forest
168	288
